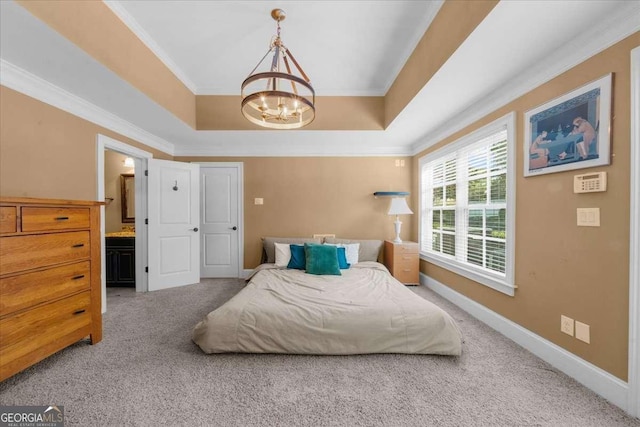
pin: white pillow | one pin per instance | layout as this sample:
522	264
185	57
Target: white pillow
283	254
350	249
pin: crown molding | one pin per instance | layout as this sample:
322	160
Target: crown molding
284	149
382	90
320	92
616	27
31	85
35	87
120	11
128	20
434	8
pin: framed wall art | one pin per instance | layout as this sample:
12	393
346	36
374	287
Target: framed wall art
569	132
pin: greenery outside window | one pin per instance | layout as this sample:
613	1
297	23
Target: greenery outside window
467	200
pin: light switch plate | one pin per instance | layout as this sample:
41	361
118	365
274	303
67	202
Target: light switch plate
258	201
588	217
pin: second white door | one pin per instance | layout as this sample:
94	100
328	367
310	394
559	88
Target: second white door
220	221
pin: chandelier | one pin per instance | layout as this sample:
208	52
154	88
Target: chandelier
277	98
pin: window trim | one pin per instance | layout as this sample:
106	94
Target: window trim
504	284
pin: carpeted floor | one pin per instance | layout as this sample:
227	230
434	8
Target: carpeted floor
147	372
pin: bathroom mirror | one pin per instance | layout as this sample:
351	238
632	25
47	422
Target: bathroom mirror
128	195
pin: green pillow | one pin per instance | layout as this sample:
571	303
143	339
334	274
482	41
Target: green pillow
321	259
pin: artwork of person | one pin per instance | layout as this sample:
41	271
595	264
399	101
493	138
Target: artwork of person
582	126
539	156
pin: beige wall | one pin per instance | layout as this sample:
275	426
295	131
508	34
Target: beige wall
450	28
560	268
93	27
47	152
317	195
222	112
85	24
113	168
581	272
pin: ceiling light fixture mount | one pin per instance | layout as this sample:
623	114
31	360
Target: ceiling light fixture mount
278	99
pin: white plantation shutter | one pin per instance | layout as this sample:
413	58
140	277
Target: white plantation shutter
465	217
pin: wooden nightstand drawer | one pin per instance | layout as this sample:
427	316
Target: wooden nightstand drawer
44	219
406	274
8	219
405	258
405	248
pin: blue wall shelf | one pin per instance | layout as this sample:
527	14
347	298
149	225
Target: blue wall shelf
391	193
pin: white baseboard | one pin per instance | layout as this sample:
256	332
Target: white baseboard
246	273
601	382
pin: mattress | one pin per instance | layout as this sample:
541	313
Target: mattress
365	310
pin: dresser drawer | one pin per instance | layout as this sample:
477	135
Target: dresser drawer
8	219
48	327
27	290
19	253
45	219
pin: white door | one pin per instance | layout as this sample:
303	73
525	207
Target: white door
219	220
174	218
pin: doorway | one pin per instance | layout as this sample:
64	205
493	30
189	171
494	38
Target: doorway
634	246
139	157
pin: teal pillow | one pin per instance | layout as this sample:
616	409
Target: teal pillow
322	259
298	261
342	258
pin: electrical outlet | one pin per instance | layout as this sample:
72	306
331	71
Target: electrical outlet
566	325
324	236
582	332
258	201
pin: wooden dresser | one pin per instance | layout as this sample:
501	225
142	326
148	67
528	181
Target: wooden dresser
50	293
403	261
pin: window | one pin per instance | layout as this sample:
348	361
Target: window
468	207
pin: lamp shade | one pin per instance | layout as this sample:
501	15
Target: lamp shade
399	207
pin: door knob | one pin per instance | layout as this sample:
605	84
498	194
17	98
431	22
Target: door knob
194	229
234	228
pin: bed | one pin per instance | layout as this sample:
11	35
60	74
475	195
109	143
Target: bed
361	310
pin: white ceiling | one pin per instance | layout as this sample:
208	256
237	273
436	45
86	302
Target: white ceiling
346	47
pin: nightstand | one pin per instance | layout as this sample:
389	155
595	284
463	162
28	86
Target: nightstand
403	261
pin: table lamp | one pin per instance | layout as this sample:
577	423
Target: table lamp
398	207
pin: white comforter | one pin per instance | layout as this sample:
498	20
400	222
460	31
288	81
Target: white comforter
365	310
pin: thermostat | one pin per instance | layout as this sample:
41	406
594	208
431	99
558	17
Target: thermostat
590	182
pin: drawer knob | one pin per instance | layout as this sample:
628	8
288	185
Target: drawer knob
62	218
79	312
79	245
77	277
